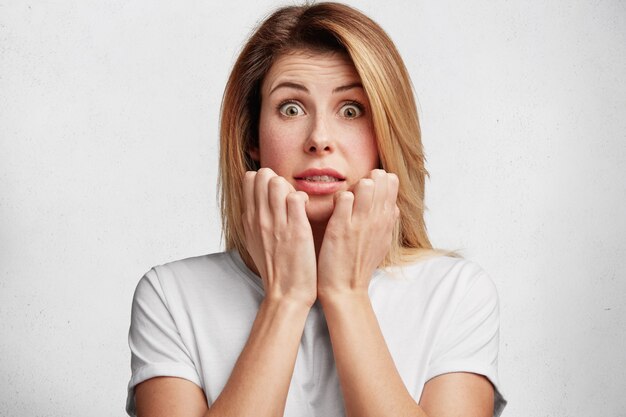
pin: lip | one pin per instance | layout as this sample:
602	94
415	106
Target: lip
313	172
319	188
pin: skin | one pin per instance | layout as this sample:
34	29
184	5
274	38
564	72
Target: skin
317	246
333	127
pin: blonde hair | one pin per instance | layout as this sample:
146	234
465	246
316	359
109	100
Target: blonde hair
327	27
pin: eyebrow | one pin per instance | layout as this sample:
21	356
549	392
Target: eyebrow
348	87
296	86
289	84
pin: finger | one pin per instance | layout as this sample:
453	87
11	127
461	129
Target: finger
248	191
344	203
363	197
379	200
278	189
296	207
246	227
260	191
393	186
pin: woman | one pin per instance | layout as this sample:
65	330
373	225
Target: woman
330	300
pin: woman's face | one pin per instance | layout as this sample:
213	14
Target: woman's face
315	127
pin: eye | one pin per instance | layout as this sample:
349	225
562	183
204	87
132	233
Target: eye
290	109
351	110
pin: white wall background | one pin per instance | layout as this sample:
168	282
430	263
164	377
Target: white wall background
108	133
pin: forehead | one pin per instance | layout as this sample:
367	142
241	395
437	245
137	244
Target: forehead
330	69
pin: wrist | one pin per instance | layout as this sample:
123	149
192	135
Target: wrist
287	304
343	297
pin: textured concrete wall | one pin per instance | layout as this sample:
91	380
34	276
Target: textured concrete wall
108	135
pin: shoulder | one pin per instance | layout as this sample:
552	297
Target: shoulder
191	269
195	265
444	272
441	281
460	291
189	275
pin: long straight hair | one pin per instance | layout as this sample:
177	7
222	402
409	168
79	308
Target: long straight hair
327	27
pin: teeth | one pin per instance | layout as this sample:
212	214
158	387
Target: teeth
321	178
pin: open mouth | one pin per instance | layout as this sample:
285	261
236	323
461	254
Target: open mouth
321	178
319	181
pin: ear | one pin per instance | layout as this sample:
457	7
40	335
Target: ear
254	153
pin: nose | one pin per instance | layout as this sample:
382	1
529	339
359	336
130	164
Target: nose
320	139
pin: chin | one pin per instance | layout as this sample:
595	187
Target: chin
319	210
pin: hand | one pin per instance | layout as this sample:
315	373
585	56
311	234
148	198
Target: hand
279	237
358	235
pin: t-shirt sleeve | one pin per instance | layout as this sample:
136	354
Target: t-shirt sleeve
470	341
156	346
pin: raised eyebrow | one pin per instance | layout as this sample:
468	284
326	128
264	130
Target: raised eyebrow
289	84
348	87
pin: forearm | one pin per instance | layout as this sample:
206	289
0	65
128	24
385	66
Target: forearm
370	382
260	380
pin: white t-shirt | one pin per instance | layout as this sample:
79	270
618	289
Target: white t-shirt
191	319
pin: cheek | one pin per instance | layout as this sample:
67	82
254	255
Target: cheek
363	147
275	146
